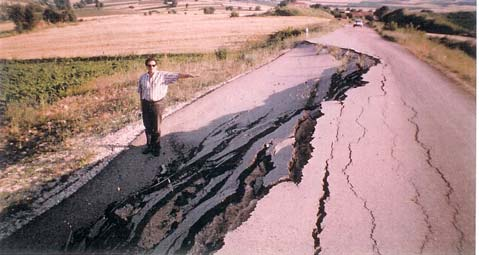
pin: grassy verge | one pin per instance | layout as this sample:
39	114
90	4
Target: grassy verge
50	106
455	63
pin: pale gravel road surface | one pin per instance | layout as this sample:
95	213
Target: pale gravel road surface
393	170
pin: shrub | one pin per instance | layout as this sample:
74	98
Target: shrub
209	10
55	16
25	17
257	8
283	11
229	8
63	4
221	53
381	12
234	14
468	47
282	35
392	26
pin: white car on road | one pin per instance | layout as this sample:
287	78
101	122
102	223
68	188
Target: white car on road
358	23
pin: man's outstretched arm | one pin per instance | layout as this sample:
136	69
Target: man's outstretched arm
185	75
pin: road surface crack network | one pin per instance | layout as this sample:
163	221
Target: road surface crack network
450	189
353	189
326	192
428	235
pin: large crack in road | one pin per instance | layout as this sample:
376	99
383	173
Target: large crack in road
212	188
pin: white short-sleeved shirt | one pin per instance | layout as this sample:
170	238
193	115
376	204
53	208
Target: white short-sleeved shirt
155	88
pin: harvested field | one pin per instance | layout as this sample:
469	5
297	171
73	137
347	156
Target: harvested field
140	34
6	26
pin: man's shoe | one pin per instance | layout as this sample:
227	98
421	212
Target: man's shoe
147	150
155	152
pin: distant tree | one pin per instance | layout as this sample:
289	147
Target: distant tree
257	8
63	4
52	15
369	17
25	17
209	10
229	8
98	4
381	12
55	16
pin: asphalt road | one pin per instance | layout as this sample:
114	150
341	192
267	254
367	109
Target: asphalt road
392	170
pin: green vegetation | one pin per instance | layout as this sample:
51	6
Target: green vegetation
460	23
36	83
468	47
298	11
466	20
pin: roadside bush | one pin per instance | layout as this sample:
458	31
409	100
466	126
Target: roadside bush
257	8
209	10
229	8
465	20
234	14
391	26
469	47
283	35
283	11
381	12
221	53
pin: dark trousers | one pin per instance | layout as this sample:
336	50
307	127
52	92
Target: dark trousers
152	114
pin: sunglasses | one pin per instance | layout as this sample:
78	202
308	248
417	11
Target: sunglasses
151	65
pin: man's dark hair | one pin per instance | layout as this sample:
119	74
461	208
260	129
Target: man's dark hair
149	59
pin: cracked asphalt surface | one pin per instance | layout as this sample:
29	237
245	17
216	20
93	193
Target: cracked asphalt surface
392	172
371	152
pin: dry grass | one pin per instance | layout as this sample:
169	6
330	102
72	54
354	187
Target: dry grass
138	34
453	62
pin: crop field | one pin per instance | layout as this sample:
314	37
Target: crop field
143	34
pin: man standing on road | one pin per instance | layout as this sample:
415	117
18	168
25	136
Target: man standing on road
152	87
